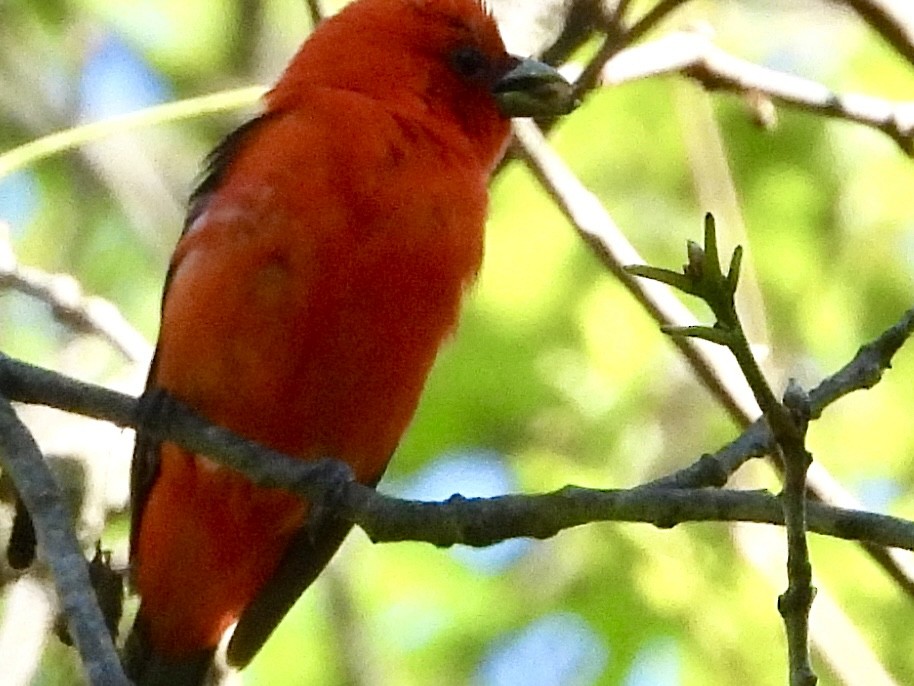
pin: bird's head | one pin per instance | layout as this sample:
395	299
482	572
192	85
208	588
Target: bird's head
442	59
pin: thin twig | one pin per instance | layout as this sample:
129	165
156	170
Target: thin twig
864	371
63	294
693	54
704	278
315	11
867	367
795	603
882	16
57	541
594	225
615	41
716	370
55	143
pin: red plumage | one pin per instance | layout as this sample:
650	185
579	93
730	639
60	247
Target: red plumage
323	264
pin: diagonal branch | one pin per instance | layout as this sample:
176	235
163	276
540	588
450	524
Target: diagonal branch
36	150
596	227
315	11
53	525
693	54
616	39
864	371
718	372
63	294
883	17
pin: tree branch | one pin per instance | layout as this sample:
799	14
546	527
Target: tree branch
883	18
595	226
54	528
864	371
315	11
702	277
795	603
63	294
326	480
717	371
471	521
616	39
478	521
694	55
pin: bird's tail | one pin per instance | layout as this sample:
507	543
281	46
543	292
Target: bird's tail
145	667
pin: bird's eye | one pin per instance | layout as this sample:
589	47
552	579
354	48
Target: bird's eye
469	62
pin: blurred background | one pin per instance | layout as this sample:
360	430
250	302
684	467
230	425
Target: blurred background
556	376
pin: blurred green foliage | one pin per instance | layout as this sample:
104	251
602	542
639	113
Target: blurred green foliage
555	367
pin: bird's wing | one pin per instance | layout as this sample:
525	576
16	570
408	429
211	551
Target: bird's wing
144	468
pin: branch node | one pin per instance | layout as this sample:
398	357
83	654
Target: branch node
798	404
714	473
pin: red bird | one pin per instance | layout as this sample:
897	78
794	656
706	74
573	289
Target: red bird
322	264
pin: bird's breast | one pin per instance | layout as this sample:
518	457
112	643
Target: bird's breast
313	308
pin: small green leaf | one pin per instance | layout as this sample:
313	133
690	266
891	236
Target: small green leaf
695	269
670	278
712	258
736	261
707	333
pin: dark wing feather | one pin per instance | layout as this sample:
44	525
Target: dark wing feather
215	166
144	468
304	559
307	555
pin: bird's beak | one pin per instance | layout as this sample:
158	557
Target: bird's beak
532	89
